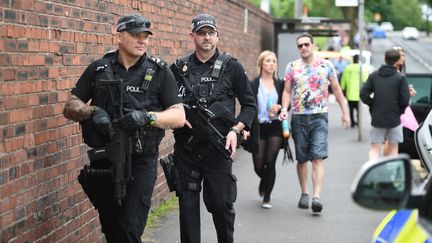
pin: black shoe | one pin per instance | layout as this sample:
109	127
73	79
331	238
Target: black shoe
261	189
316	205
304	201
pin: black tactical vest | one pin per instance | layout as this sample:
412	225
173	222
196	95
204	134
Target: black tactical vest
203	86
140	91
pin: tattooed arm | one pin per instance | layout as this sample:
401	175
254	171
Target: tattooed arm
76	110
173	117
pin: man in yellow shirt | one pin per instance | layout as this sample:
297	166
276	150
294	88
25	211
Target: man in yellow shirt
350	84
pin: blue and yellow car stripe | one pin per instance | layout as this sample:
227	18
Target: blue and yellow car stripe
401	226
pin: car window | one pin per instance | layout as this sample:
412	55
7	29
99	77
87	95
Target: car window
423	86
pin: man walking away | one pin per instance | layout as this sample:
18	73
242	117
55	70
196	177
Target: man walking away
390	98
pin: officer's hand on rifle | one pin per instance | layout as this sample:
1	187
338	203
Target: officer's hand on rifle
102	122
134	119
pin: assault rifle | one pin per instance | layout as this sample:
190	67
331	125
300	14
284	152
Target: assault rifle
119	149
199	116
202	129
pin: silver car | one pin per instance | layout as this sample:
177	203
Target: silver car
410	33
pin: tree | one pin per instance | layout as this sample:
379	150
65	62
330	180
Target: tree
429	5
319	8
395	11
406	16
351	13
282	9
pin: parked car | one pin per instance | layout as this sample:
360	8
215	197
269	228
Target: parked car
378	33
396	183
420	104
370	27
410	33
386	26
369	30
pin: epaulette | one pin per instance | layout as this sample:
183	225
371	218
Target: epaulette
157	61
182	62
110	53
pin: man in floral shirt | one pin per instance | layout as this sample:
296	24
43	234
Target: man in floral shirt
306	83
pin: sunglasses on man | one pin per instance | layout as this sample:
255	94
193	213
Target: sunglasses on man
131	24
300	46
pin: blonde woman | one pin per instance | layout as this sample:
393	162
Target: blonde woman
267	88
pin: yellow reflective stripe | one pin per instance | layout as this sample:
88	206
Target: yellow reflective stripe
411	231
383	224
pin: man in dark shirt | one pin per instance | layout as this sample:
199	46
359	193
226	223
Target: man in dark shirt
200	165
390	98
151	104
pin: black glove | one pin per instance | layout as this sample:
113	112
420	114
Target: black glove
102	122
134	119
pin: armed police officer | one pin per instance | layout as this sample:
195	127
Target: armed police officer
209	81
132	97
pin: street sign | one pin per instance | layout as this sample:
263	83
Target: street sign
346	3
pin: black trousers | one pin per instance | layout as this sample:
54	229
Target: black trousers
126	223
219	193
353	106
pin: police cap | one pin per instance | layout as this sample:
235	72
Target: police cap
202	20
134	24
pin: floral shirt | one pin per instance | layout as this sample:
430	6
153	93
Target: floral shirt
309	84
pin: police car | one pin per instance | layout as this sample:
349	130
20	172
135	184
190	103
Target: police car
402	185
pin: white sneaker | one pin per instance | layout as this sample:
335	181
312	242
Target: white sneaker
266	205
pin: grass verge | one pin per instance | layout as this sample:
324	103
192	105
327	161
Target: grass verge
153	220
165	207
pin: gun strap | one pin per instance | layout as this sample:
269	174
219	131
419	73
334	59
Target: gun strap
217	70
219	65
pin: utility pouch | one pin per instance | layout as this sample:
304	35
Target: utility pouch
83	179
171	173
95	179
91	137
97	187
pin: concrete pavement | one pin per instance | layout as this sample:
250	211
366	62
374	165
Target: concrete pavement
340	221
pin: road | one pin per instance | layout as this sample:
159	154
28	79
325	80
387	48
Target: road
417	53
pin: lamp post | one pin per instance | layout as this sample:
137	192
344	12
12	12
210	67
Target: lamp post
360	29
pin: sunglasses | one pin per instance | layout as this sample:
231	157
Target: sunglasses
204	33
132	24
300	46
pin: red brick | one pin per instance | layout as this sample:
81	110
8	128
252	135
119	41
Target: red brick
23	4
9	74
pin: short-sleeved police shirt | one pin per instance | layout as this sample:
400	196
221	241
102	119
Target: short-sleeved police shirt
166	86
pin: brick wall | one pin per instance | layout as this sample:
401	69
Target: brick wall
45	46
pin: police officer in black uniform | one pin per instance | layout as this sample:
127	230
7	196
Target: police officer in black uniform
150	104
200	165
